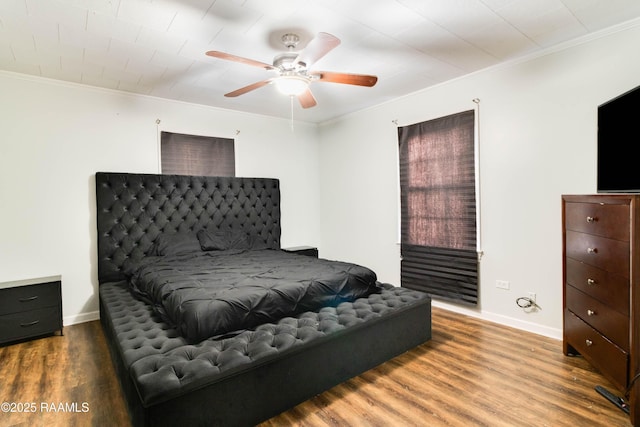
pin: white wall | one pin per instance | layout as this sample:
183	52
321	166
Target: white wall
55	136
537	140
537	136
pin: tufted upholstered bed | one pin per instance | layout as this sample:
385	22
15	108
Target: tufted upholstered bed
249	375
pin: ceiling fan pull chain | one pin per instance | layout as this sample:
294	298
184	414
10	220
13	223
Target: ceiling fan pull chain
291	99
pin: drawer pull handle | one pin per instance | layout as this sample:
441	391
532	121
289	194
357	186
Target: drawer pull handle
591	313
26	325
592	250
591	219
588	342
35	297
591	282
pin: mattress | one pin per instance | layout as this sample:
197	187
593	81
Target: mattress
210	293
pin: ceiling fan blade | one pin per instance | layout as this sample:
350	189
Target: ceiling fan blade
345	78
248	88
234	58
307	100
318	47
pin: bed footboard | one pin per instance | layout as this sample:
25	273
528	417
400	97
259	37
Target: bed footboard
268	384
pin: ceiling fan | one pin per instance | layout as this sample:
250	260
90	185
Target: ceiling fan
292	68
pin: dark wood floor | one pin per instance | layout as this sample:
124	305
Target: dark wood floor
472	373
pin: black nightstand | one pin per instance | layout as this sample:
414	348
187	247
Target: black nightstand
303	250
30	308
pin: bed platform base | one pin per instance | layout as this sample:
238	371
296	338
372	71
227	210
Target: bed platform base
269	385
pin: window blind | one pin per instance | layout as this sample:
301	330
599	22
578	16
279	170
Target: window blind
438	207
183	154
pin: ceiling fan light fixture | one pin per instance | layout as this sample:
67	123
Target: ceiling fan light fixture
291	85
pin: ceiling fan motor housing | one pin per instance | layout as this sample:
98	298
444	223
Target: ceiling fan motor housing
286	62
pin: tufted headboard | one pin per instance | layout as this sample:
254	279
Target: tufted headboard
134	209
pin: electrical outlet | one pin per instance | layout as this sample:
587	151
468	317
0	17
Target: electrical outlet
532	296
502	284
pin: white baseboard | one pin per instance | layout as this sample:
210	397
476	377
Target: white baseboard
503	320
81	318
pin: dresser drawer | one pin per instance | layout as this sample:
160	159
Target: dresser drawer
607	254
31	297
598	350
31	323
610	221
609	288
608	322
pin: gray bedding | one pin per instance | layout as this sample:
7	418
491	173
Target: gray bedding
212	293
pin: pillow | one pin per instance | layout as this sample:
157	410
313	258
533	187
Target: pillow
223	240
212	241
174	243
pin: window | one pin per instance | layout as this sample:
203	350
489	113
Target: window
438	207
197	155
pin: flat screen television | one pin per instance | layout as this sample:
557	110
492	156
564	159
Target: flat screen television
618	143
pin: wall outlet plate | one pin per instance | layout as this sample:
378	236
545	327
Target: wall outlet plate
502	284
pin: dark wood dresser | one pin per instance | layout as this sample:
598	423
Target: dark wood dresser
601	291
30	308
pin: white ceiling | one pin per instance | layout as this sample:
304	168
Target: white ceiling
157	47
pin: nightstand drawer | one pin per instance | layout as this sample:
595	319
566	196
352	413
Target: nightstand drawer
609	288
31	297
608	322
28	324
598	350
607	254
607	220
